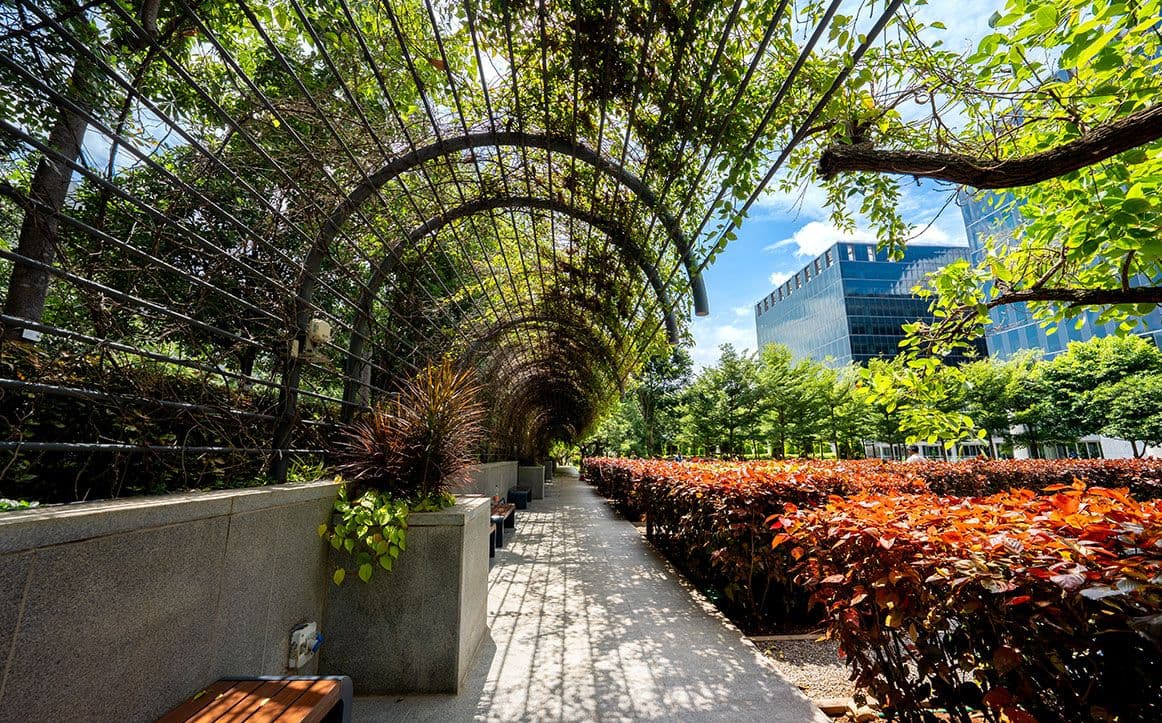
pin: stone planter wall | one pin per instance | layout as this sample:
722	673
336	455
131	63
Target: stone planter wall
491	479
418	628
533	477
120	610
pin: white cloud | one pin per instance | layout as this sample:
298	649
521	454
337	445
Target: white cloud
779	278
743	311
818	236
711	332
809	201
935	235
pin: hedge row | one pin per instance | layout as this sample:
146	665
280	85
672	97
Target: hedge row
710	518
975	477
1040	607
961	602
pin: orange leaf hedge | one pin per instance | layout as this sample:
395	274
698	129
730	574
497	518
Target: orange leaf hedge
1023	604
710	518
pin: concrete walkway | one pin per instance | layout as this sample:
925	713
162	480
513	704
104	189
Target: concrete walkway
588	623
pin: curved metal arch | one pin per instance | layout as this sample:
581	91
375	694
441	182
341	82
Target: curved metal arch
555	144
569	401
617	234
503	327
357	369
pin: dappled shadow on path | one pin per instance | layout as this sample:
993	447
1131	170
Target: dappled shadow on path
588	623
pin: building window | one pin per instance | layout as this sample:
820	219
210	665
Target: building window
827	258
806	274
817	268
798	282
780	293
871	253
758	309
850	252
766	304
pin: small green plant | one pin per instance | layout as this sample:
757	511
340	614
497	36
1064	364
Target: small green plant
306	470
7	505
402	458
373	529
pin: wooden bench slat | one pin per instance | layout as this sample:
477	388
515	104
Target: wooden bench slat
314	705
196	702
255	700
277	706
225	701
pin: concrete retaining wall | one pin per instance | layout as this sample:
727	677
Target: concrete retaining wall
120	610
491	479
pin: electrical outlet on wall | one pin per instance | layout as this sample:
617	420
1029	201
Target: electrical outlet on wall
305	639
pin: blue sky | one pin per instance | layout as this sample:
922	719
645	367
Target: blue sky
784	232
781	235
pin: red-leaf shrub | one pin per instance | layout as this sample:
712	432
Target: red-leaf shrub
1021	604
710	518
976	477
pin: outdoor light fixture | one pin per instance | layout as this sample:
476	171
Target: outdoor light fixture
318	334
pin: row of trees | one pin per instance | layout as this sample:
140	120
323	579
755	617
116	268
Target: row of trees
770	403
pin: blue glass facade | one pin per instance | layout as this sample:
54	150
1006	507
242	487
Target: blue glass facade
850	303
1013	327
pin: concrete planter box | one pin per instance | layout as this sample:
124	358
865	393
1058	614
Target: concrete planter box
533	477
418	628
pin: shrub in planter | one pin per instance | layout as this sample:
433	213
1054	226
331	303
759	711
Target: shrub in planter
405	456
1030	607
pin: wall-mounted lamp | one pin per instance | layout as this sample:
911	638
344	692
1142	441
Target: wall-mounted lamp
318	334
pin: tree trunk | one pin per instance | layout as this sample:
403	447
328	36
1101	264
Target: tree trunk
28	286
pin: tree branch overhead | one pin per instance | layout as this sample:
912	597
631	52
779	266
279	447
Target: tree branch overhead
1137	129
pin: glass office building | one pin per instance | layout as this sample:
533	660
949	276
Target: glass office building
849	304
1013	327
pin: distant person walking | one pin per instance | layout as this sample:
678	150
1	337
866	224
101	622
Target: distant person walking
914	454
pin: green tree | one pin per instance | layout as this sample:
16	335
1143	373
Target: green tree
924	396
722	406
1079	382
1135	410
1057	105
620	431
658	394
990	390
779	385
849	416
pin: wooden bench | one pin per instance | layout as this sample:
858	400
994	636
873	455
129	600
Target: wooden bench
506	511
301	699
502	515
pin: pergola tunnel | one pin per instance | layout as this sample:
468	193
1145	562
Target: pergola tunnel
233	226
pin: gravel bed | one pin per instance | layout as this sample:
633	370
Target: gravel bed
813	666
